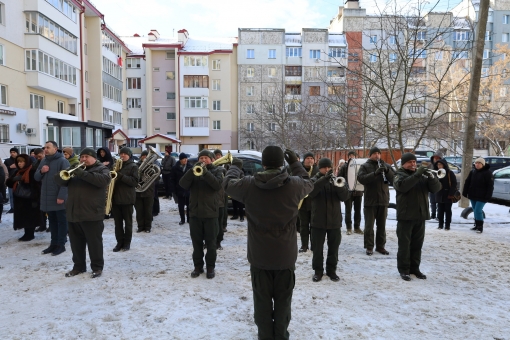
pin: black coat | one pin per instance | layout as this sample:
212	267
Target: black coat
326	208
376	192
448	183
307	202
479	184
167	164
175	176
125	184
107	157
204	199
8	162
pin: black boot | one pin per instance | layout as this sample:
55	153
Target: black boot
475	228
117	248
480	227
447	227
440	225
235	217
197	271
210	273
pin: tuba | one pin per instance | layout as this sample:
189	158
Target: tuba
148	172
198	169
109	191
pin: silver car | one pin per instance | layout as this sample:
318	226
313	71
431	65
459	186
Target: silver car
502	184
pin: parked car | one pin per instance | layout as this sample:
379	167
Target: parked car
502	184
497	162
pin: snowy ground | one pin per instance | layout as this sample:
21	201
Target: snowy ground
147	293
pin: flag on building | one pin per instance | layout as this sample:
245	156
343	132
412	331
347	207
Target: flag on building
119	61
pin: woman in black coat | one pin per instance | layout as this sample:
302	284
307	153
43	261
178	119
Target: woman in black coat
104	156
445	195
26	209
478	188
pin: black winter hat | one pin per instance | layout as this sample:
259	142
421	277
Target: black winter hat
182	155
218	151
308	154
374	150
207	153
407	157
126	150
14	149
325	162
352	152
272	156
88	151
144	153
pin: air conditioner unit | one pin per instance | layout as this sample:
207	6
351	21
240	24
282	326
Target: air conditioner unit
30	131
21	127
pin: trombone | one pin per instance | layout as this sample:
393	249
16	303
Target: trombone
441	173
68	174
198	169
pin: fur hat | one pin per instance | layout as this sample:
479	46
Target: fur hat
207	153
407	157
308	154
272	156
480	160
325	162
126	150
182	155
88	151
374	150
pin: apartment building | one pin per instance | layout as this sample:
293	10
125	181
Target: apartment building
60	67
283	79
182	98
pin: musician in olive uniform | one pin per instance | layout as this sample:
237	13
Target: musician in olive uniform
123	199
372	175
204	204
412	189
355	198
305	210
326	220
144	203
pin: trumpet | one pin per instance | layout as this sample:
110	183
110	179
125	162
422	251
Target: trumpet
338	181
68	174
441	173
198	169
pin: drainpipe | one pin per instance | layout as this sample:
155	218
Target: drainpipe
82	72
179	95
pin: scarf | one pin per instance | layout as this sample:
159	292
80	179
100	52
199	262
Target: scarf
25	176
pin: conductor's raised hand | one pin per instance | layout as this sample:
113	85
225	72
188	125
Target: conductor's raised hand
290	156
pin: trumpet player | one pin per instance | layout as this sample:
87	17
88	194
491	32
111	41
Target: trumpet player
204	206
85	211
144	203
412	210
326	219
53	196
123	200
305	211
375	176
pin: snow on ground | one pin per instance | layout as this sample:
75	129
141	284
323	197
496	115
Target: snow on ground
147	292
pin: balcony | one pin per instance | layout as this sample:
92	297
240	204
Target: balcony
293	79
292	97
195	92
195	131
47	83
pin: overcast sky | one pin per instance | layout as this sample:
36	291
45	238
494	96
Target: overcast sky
222	18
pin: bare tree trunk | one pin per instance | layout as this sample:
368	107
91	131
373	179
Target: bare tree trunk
474	90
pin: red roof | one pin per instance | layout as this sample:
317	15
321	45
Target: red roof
159	135
122	133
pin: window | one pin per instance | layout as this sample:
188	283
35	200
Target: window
271	126
216	105
39	24
421	35
315	54
112	93
503	92
99	138
170	115
314	91
36	101
196	122
293	71
373	39
117	117
335	90
250	108
337	52
170	75
134	123
133	62
271	108
195	102
170	95
439	55
485	71
134	103
461	36
504	37
336	72
251	145
216	65
71	137
293	51
488	35
393	57
53	133
86	76
106	115
112	68
250	90
87	103
170	55
3	95
156	89
373	58
486	54
60	106
292	107
196	81
155	69
417	108
293	125
293	90
2	55
506	19
460	55
271	54
65	6
134	83
39	61
250	72
89	137
2	10
250	54
250	127
271	72
393	39
216	85
195	60
419	53
216	125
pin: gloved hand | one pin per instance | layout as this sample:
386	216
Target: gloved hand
237	162
16	178
329	174
290	156
79	172
379	170
421	170
204	170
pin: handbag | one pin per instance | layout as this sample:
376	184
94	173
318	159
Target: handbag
22	190
456	196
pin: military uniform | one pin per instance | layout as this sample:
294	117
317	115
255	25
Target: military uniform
305	214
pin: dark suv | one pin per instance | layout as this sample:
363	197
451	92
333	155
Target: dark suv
497	162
